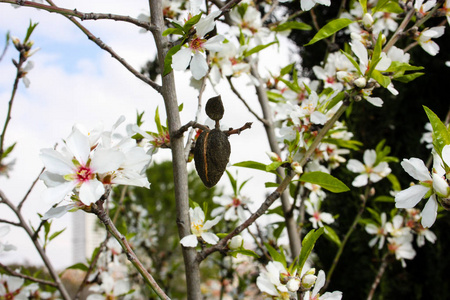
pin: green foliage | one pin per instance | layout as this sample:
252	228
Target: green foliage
325	180
307	246
329	29
441	134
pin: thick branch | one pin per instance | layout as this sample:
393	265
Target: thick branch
168	91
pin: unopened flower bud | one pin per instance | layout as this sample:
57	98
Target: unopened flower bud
293	284
383	39
296	167
355	37
273	156
361	82
308	281
367	20
440	186
236	242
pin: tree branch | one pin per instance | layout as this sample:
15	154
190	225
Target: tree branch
34	279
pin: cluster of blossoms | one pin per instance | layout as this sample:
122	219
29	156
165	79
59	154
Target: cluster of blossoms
371	171
433	186
88	163
279	283
12	287
111	278
399	233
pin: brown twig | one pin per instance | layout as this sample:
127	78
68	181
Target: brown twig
34	279
19	207
231	131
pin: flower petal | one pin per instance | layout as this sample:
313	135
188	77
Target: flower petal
189	241
79	145
210	238
55	162
416	168
91	191
106	160
181	59
53	195
199	67
411	196
429	212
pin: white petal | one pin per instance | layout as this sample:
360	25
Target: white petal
265	285
207	24
375	101
307	4
361	52
199	67
210	238
55	162
91	191
214	43
370	156
416	169
355	166
210	223
429	212
318	118
51	179
181	59
360	180
106	160
57	193
189	241
320	281
411	196
446	154
57	212
79	145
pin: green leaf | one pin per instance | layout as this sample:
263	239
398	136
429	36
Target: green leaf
8	150
273	166
221	235
251	164
363	5
276	256
331	235
158	121
336	99
329	29
78	266
397	66
168	58
54	235
30	30
353	61
389	6
191	22
172	31
325	180
291	25
380	78
409	77
233	182
384	199
441	135
244	252
287	69
307	246
257	49
271	184
394	181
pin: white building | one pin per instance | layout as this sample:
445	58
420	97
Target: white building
88	234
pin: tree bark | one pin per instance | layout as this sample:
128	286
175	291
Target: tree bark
168	92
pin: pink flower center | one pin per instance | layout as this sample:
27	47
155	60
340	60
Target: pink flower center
236	202
84	174
197	44
316	216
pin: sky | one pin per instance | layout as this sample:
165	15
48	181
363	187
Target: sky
74	81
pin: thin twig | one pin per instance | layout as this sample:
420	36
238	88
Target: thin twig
64	294
401	28
236	92
347	236
98	210
34	279
380	273
81	15
19	207
10	222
